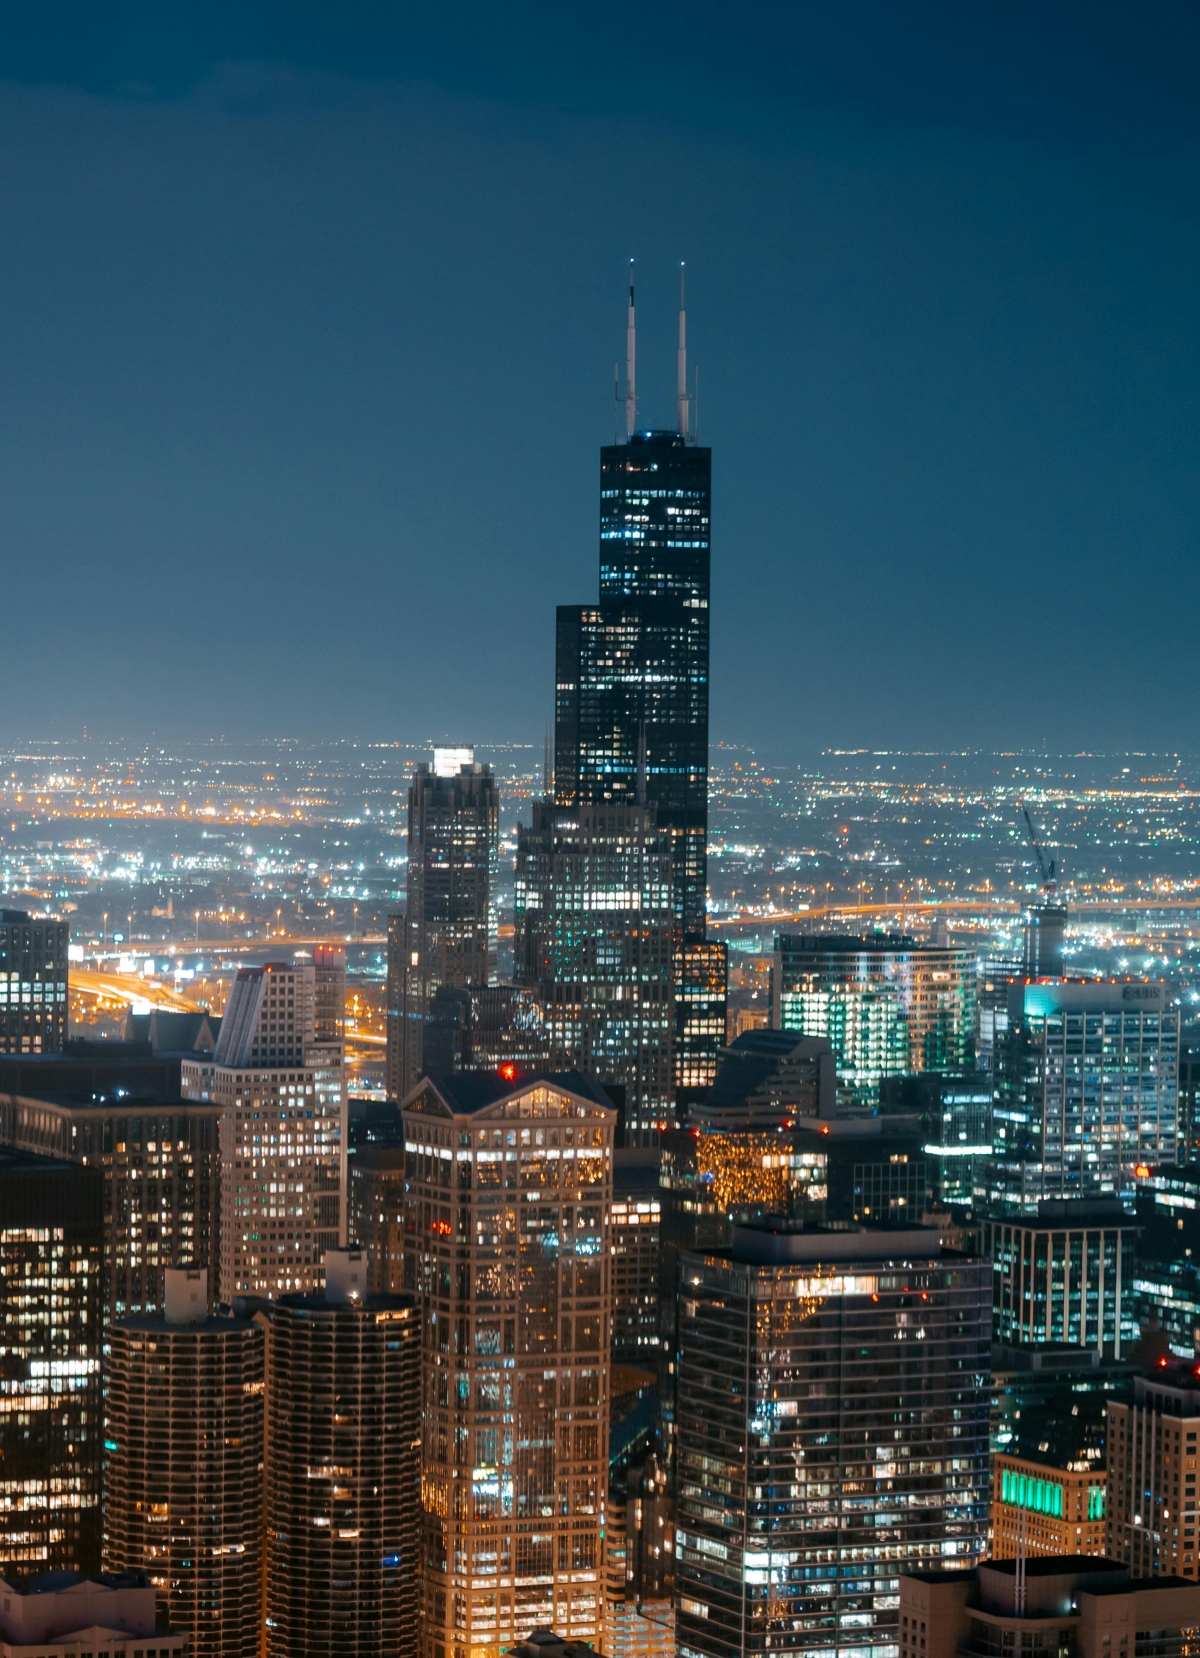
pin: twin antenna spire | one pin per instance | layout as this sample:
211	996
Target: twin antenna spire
682	398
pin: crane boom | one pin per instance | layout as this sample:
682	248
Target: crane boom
1048	882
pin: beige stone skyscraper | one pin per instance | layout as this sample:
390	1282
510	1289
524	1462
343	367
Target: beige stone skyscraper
278	1081
508	1234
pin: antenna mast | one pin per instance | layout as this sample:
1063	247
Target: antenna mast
630	364
682	389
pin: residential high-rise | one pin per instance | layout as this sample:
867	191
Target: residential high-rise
283	1133
595	938
158	1158
1151	1449
343	1474
33	983
1065	1274
51	1216
509	1196
1087	1090
183	1490
448	936
832	1433
887	1003
631	688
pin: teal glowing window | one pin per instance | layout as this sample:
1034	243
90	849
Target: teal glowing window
1039	1496
1095	1502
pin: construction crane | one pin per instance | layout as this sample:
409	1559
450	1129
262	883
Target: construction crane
1049	880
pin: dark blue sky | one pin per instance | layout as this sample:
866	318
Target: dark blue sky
308	316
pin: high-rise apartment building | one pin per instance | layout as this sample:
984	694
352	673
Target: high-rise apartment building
832	1433
280	1091
888	1004
183	1491
33	983
50	1346
1167	1272
158	1159
509	1198
1065	1274
1087	1090
343	1473
1151	1449
448	935
595	937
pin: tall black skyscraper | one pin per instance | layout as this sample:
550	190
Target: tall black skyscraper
631	708
631	714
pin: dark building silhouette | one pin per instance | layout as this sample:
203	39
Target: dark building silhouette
51	1229
33	983
631	715
596	940
631	690
448	934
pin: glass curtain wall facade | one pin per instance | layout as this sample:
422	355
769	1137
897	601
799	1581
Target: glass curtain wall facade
631	721
508	1242
51	1316
887	1004
159	1163
1065	1276
1087	1092
453	845
832	1432
595	938
631	700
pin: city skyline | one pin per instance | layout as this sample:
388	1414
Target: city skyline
940	285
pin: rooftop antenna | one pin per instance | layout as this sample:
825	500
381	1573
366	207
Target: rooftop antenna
616	402
630	364
682	391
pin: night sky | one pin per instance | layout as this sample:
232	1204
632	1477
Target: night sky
308	316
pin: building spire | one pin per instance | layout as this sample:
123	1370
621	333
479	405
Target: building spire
630	364
682	389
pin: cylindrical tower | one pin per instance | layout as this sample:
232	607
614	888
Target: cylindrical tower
183	1465
343	1471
